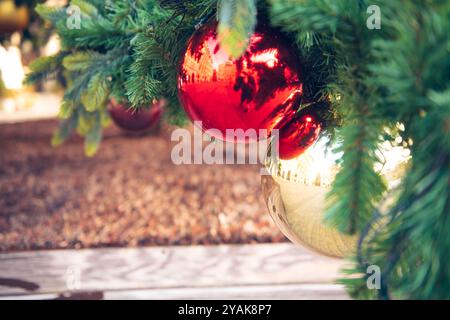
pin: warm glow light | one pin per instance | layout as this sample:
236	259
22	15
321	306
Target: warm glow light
11	68
269	57
53	46
316	159
308	119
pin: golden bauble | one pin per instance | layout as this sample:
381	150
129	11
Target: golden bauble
12	18
295	192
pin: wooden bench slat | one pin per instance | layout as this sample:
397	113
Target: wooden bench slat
268	292
167	268
272	292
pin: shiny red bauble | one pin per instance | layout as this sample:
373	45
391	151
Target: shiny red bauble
298	135
135	120
256	91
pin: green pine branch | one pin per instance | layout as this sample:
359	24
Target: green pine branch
44	68
339	30
412	250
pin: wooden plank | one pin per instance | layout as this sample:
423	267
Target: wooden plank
272	292
165	268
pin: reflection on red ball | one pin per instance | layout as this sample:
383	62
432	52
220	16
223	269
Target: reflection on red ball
256	91
298	135
135	120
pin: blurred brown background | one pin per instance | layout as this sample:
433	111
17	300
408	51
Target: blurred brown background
130	194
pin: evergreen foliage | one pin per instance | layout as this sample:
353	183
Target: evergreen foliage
368	85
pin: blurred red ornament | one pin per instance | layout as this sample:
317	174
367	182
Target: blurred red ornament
256	91
135	120
298	135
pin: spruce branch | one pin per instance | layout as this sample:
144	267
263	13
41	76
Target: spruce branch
44	67
341	26
412	248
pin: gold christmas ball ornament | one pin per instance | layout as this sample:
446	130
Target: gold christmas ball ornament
12	18
295	191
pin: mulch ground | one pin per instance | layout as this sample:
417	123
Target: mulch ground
130	194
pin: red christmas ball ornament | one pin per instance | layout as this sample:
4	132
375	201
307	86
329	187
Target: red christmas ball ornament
135	120
298	135
256	91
